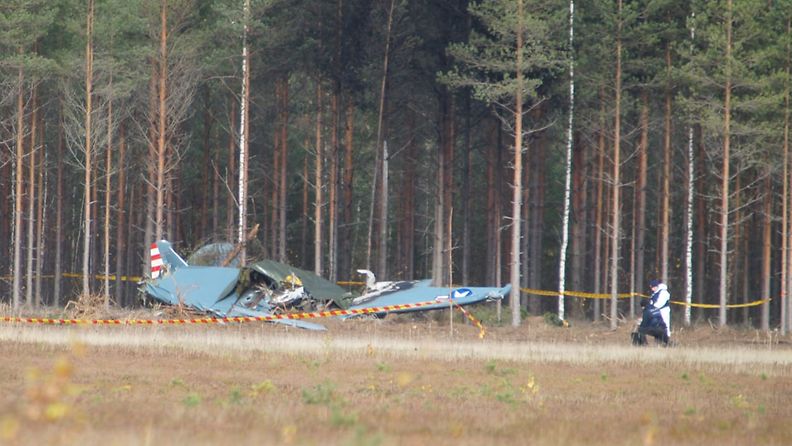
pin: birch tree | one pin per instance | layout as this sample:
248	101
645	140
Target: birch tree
244	134
568	173
616	198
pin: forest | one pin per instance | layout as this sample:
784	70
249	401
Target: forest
552	144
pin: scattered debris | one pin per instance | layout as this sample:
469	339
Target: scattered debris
87	306
267	287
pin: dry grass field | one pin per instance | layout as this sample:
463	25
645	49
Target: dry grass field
401	381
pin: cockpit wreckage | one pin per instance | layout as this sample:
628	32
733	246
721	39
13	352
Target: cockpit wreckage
266	288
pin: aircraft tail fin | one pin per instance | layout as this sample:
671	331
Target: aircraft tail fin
163	257
156	261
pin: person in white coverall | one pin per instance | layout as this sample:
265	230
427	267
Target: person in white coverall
661	299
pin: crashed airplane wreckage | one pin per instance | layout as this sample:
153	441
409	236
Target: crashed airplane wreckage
266	287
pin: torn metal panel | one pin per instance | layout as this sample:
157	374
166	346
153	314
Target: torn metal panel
320	289
201	287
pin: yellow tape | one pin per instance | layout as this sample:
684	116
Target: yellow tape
102	277
628	295
79	276
755	303
580	294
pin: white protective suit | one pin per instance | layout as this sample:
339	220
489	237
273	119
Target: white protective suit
662	299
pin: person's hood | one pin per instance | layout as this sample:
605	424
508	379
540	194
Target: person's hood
662	286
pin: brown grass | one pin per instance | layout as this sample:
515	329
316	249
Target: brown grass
403	381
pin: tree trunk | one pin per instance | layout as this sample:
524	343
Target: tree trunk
305	214
576	165
40	213
616	205
785	239
59	211
498	216
525	221
466	198
666	207
244	134
514	297
688	222
442	268
567	179
108	176
688	218
135	217
382	209
332	187
766	244
206	169
121	234
148	186
162	76
6	187
640	188
318	184
407	196
536	217
86	287
284	138
702	231
276	154
724	214
231	173
346	232
742	231
492	204
31	200
600	206
334	211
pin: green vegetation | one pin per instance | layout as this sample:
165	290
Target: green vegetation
192	399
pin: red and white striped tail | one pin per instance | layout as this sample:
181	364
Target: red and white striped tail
156	261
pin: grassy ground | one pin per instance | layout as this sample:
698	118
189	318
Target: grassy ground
403	381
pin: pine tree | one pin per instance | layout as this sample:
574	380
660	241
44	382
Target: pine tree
502	64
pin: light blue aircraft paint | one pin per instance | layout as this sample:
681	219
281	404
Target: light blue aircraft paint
262	288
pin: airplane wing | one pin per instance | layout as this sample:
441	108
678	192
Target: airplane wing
242	311
402	293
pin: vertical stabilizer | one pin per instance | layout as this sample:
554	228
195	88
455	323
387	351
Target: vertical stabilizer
164	257
156	261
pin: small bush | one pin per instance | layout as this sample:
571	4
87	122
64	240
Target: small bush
192	400
554	320
235	396
319	394
265	386
340	418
